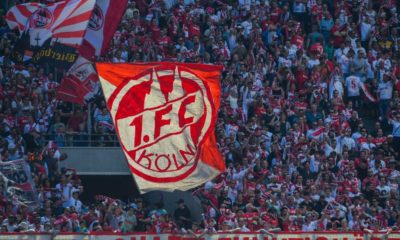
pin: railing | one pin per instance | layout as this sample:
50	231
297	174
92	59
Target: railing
83	140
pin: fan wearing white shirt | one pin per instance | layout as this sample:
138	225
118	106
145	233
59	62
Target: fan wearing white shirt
31	126
310	224
242	225
352	84
343	50
312	62
377	162
383	188
75	202
333	147
396	131
64	187
118	58
345	62
348	141
365	30
385	91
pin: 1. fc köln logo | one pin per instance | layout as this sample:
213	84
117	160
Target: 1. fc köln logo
162	116
41	18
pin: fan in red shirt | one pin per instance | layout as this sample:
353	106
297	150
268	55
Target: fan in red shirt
317	12
164	42
380	138
362	139
76	122
301	77
154	29
275	15
194	30
23	119
226	215
339	33
298	40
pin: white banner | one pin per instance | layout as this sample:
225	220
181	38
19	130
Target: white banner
18	182
230	236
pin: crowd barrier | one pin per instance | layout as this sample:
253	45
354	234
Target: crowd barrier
221	236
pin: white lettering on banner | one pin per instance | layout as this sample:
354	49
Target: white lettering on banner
152	125
250	236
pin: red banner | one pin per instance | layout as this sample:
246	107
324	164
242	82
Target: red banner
80	84
164	114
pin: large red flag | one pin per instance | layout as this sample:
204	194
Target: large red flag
103	22
70	91
164	115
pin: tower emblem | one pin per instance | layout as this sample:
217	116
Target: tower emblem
162	117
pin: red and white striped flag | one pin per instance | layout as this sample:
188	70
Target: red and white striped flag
63	22
318	132
367	93
18	16
103	22
107	125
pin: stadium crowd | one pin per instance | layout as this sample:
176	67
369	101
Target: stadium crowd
309	123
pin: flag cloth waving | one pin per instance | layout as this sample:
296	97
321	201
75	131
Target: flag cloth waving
80	84
103	22
164	115
50	33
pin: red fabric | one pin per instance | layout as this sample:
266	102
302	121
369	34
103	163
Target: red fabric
22	121
155	30
337	41
301	77
318	48
275	15
74	122
298	41
397	86
79	82
133	104
71	90
379	140
194	30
